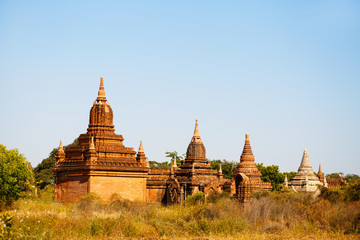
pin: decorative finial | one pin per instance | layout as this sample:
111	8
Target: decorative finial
247	136
220	169
61	148
92	145
320	173
196	131
196	137
141	148
101	93
174	162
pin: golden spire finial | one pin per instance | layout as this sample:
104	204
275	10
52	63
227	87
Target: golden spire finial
61	148
92	145
196	131
247	136
196	136
141	148
101	93
220	169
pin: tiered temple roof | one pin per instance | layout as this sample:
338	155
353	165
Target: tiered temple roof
100	145
196	168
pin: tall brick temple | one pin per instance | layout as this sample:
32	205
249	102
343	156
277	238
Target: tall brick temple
100	163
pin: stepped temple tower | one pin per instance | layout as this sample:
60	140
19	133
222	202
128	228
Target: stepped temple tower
246	176
195	173
305	179
100	163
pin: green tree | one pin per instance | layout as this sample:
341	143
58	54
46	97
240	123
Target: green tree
43	171
289	175
15	175
159	165
334	175
227	167
352	191
272	174
350	178
173	154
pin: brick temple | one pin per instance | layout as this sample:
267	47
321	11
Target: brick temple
101	164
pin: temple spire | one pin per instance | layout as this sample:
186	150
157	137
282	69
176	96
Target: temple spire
286	183
196	137
305	162
141	148
174	162
101	93
220	169
61	148
247	154
320	172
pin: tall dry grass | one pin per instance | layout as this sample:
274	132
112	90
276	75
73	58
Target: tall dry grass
283	215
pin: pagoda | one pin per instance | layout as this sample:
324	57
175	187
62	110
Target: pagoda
305	179
194	174
246	176
100	163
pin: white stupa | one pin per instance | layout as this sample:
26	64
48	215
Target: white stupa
305	179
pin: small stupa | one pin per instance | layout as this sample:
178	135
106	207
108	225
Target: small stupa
305	179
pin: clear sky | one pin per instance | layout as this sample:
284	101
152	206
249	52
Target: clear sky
287	72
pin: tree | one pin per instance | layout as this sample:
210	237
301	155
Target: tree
334	175
15	175
159	165
226	166
273	175
173	154
289	175
350	178
43	171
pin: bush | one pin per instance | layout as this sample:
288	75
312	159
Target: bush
195	199
352	191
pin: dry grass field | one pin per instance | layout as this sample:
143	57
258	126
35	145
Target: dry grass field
283	215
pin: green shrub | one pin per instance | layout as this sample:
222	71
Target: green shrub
195	199
352	191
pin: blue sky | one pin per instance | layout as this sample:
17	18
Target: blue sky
287	72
